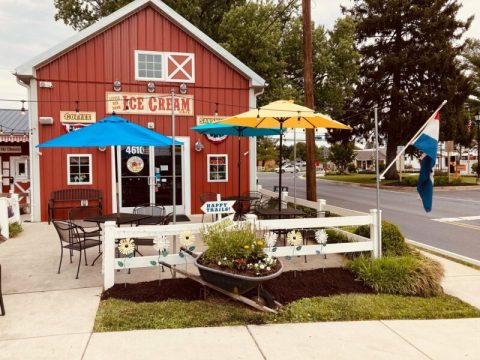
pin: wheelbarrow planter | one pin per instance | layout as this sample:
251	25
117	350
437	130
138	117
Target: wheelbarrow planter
232	285
235	283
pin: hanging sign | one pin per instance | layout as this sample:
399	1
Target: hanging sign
82	117
204	119
218	207
11	149
72	127
149	104
135	164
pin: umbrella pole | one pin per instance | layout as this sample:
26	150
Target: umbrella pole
280	172
239	159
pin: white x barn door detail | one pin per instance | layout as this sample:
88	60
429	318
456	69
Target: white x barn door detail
180	67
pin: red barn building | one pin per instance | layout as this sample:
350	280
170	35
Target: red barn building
129	63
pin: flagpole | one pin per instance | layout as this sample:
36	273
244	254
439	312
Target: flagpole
174	170
377	172
412	140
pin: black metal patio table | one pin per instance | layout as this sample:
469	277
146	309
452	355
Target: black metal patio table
286	213
119	218
240	208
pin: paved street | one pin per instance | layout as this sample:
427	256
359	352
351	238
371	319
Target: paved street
461	236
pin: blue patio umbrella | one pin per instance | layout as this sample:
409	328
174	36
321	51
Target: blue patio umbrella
110	131
235	130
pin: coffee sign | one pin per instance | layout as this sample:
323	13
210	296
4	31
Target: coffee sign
81	117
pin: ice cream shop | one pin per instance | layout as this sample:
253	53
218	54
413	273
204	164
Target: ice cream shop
147	64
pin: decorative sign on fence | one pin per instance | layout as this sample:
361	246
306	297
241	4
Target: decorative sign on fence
218	207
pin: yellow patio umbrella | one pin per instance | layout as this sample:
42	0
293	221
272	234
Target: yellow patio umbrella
284	114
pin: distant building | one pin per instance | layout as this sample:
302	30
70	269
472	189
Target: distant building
14	155
365	159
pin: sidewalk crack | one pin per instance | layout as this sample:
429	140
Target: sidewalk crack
256	343
86	345
404	339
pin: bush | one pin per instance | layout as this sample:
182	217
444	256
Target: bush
393	241
351	168
404	275
14	229
474	167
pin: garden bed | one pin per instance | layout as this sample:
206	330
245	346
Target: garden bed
288	287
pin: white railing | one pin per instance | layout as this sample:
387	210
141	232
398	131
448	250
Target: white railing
9	213
112	232
320	205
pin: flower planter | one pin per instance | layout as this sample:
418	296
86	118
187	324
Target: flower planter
235	283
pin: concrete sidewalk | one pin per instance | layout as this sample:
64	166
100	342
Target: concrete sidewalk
51	316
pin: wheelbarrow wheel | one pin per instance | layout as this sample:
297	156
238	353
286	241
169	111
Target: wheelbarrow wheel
263	297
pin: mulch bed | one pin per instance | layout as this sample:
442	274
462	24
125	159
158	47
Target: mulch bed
288	287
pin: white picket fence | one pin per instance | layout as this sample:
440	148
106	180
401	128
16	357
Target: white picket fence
9	213
112	232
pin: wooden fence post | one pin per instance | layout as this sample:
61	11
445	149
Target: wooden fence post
321	205
4	217
109	255
374	232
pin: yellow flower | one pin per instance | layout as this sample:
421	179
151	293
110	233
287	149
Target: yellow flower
126	246
187	239
260	242
294	238
247	247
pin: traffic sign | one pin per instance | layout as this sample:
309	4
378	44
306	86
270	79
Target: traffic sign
218	207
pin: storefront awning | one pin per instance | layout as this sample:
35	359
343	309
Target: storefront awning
14	138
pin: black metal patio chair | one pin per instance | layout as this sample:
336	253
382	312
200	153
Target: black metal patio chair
74	239
2	306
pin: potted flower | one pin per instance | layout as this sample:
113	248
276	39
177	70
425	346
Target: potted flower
235	259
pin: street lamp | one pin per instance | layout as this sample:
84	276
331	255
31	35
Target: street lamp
477	120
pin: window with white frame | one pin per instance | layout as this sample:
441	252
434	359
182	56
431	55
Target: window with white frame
148	65
217	167
19	166
79	169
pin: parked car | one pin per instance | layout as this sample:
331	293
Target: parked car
288	169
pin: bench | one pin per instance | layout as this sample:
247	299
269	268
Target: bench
68	198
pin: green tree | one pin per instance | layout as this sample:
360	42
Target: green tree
204	14
341	155
266	150
409	64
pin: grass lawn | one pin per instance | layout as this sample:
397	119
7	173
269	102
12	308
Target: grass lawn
118	315
370	179
355	178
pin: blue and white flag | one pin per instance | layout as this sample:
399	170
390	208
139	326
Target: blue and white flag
427	142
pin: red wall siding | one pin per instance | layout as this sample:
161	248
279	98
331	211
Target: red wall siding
88	71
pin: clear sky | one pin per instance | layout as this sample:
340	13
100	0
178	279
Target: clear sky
28	28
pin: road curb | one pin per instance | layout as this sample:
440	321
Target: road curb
406	188
443	252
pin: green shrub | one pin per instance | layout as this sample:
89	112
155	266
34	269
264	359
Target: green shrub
403	275
351	168
14	229
474	167
335	237
393	241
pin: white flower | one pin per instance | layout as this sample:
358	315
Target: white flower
126	246
269	268
187	239
261	266
219	263
161	243
321	237
270	238
294	238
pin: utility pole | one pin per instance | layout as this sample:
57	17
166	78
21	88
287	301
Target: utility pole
308	88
